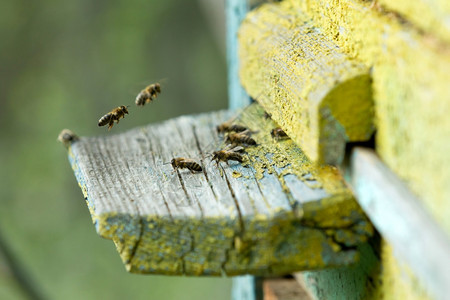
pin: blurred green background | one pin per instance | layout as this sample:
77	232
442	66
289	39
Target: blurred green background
63	65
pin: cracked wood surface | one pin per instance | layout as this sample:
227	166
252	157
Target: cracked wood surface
275	213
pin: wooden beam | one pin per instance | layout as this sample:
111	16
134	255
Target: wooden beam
319	95
398	215
410	83
274	213
235	12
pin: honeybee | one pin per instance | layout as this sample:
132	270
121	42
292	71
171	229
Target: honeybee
278	133
267	115
114	115
148	94
185	163
238	138
228	154
67	137
228	127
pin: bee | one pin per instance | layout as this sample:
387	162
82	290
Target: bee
114	115
228	154
278	133
67	137
238	138
228	127
267	115
148	94
185	163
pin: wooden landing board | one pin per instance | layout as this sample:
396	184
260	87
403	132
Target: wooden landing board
319	95
275	213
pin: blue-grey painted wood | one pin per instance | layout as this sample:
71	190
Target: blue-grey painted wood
243	286
247	288
235	13
402	221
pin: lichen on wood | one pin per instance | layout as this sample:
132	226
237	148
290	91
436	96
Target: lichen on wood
318	94
279	215
410	87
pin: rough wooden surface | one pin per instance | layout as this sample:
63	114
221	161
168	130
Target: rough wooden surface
319	95
410	83
414	236
273	214
432	17
284	289
379	275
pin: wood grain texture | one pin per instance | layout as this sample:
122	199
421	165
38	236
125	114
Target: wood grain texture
414	236
410	87
318	94
272	214
284	289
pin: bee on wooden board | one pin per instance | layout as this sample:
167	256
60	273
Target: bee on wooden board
228	127
278	133
228	154
148	94
185	163
114	115
67	137
239	138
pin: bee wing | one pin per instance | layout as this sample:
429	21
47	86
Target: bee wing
238	149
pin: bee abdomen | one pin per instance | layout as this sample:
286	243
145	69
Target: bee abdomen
104	120
141	99
193	166
249	141
236	157
237	128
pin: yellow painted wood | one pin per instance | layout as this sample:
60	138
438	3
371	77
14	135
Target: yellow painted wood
430	16
410	87
319	95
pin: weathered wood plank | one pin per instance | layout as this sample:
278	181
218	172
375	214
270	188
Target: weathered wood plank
236	219
397	214
319	95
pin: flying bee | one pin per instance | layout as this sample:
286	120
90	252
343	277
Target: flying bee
239	138
228	127
67	137
278	133
114	115
148	94
228	154
185	163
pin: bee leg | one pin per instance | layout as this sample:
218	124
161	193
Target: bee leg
110	125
